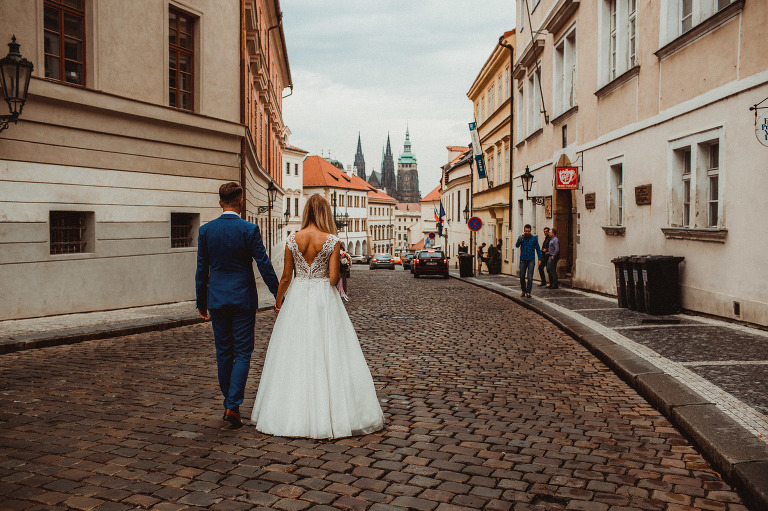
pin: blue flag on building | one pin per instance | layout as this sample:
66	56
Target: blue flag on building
440	220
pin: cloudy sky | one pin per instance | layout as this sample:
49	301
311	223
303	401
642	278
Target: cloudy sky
371	66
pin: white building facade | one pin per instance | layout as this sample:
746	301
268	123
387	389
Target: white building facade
456	196
293	184
407	218
381	222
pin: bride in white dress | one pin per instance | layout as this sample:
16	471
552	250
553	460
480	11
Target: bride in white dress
315	382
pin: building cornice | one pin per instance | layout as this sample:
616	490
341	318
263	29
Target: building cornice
703	28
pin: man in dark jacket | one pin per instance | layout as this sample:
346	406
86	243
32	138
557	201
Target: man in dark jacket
544	258
554	256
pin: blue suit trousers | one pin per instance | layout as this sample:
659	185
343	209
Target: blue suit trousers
233	334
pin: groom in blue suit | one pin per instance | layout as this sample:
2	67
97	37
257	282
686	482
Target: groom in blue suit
226	292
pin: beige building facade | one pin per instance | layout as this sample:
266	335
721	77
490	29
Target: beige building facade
456	197
132	122
650	102
491	96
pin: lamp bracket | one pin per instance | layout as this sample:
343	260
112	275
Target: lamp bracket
538	200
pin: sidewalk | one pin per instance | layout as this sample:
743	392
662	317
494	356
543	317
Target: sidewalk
23	334
708	377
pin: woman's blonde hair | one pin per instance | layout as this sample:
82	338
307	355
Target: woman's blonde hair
317	211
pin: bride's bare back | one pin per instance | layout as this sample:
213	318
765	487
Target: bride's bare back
310	241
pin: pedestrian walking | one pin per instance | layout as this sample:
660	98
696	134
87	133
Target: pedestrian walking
554	256
480	258
544	258
226	292
529	248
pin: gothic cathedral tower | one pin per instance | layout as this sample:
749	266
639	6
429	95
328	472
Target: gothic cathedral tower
388	179
359	160
407	174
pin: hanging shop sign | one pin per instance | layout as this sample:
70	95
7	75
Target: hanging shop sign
477	150
567	178
761	129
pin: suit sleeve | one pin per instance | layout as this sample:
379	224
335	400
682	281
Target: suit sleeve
259	254
203	271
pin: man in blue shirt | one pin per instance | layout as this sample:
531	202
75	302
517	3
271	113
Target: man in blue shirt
529	249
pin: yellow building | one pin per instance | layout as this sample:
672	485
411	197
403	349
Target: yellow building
491	95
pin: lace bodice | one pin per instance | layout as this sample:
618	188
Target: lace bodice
319	267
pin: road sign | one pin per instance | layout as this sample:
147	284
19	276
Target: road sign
431	235
475	224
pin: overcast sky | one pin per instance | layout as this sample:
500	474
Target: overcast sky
371	66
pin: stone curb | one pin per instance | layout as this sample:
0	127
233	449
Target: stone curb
104	331
733	451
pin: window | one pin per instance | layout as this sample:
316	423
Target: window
686	15
287	169
617	194
183	227
71	232
491	101
695	197
534	101
501	92
506	164
680	16
713	177
612	41
482	103
506	79
180	59
520	113
64	40
498	166
686	157
619	37
295	169
565	73
632	32
296	206
491	177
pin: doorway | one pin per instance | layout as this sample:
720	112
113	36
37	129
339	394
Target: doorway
563	222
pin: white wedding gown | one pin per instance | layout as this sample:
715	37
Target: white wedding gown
315	382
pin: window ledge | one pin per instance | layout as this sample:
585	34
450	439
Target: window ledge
614	230
563	116
618	81
534	134
687	233
520	143
706	26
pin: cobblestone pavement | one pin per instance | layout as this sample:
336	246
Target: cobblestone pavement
488	406
725	362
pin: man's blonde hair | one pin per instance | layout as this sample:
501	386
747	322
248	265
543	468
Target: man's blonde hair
317	211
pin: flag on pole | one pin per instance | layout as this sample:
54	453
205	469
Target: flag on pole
439	218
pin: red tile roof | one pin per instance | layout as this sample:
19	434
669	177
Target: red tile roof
297	149
375	195
318	173
434	195
409	206
417	246
459	148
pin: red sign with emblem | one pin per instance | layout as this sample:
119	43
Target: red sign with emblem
567	178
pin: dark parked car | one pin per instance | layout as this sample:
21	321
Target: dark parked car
407	258
415	256
382	261
430	262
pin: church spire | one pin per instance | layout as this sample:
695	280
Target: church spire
359	159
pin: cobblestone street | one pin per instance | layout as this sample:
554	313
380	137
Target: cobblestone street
488	406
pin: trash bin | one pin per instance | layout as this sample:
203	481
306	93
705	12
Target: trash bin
620	265
465	265
629	291
638	270
661	287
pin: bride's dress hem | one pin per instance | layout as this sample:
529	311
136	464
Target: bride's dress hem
356	433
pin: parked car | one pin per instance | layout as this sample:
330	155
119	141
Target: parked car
381	261
415	256
407	258
359	259
430	262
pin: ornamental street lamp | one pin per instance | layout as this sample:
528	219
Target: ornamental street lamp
287	214
527	179
15	73
340	220
466	213
271	197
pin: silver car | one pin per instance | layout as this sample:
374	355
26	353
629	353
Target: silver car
382	261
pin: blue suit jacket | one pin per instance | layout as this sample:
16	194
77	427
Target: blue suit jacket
224	276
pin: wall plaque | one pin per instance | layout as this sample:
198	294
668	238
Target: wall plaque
643	195
548	206
589	200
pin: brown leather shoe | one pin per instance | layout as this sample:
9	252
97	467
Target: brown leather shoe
233	417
